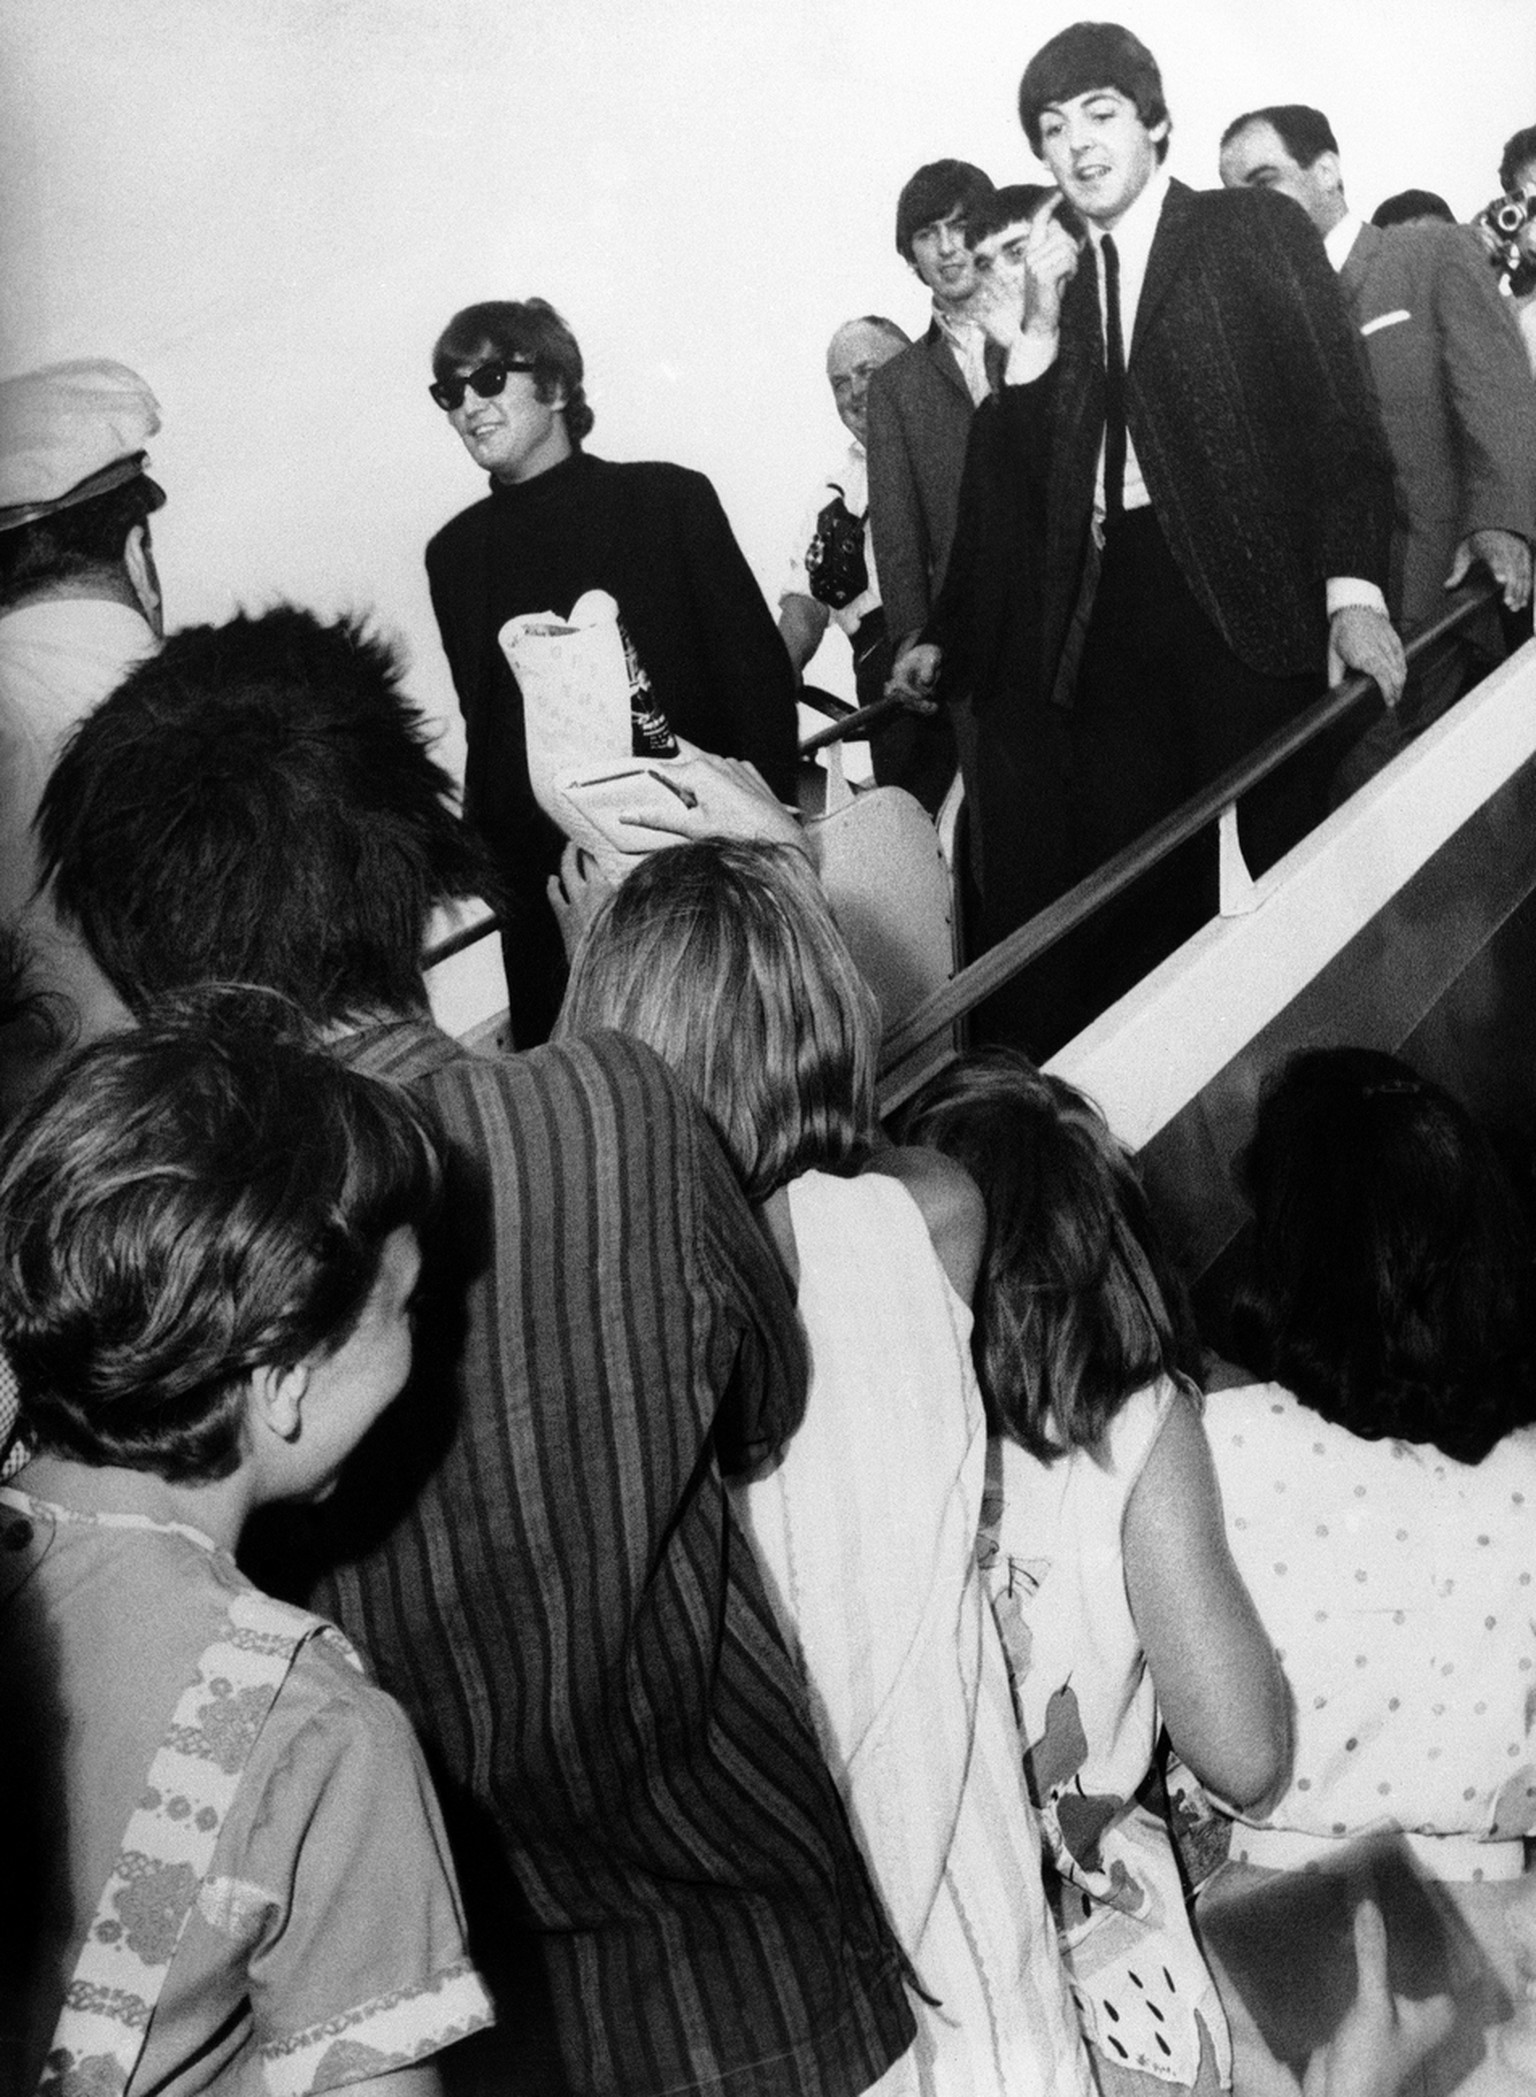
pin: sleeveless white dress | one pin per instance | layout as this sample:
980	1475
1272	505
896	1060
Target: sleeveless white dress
867	1531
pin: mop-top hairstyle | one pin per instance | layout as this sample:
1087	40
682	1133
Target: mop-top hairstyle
520	328
1012	205
1077	1306
1391	1278
1086	56
724	959
183	1205
937	191
255	804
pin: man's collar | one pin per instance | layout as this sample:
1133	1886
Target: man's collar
1139	220
1342	238
953	323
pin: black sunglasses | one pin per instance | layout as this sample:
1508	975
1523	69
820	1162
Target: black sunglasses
486	380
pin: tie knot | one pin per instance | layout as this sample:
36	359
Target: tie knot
1111	256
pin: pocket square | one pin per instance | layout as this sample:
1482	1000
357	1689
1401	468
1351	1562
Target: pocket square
1386	320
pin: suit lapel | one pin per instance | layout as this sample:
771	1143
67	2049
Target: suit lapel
1174	226
944	360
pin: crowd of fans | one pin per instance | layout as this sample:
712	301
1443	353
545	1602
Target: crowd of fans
838	1624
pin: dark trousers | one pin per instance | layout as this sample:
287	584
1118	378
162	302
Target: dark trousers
1162	707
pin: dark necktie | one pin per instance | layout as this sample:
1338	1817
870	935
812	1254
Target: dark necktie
1114	385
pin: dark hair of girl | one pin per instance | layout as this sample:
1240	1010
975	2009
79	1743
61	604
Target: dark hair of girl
1390	1287
1078	1307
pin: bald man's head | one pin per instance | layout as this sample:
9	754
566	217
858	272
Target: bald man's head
854	355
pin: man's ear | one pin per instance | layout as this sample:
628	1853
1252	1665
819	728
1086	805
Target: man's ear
277	1398
1327	170
139	563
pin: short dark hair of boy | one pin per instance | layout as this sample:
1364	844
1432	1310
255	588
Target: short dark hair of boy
1390	1284
183	1205
522	328
1305	132
1087	56
86	538
937	191
1011	205
1077	1307
255	804
1518	153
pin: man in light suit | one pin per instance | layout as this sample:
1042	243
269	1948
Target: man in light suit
1455	395
1210	510
919	414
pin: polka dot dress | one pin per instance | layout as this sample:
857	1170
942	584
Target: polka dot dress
1397	1588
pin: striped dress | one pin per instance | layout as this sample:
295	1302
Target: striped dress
538	1554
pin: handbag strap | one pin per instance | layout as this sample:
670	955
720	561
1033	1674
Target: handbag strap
168	1846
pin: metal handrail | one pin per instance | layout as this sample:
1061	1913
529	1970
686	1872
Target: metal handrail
849	724
911	1041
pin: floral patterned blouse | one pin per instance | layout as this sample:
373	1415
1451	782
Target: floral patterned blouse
325	1946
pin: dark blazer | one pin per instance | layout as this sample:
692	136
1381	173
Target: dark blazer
1456	398
1251	411
919	418
987	616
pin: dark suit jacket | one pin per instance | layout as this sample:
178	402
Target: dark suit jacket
1253	419
919	418
1456	398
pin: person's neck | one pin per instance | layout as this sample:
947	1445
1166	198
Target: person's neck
1148	198
557	452
218	1508
98	586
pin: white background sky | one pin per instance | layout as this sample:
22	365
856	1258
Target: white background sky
270	207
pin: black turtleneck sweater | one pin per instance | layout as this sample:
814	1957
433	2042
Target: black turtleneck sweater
656	538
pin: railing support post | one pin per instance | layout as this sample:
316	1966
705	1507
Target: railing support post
1236	889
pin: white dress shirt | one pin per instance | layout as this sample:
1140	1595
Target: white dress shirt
968	340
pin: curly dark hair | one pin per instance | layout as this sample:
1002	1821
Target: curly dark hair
1391	1278
257	804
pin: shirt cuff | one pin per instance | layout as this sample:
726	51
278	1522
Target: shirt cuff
1030	357
1354	589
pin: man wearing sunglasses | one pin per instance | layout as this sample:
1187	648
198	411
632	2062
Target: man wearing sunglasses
555	523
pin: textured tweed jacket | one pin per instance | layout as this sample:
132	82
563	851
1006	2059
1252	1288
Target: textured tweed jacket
1251	411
